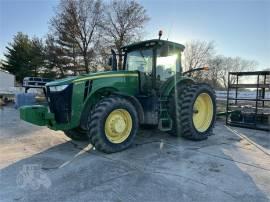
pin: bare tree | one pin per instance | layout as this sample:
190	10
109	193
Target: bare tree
124	20
213	75
220	66
197	54
79	20
235	64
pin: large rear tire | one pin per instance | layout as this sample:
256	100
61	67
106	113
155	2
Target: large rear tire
113	124
193	111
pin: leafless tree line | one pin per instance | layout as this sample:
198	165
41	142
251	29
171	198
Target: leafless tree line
82	33
203	54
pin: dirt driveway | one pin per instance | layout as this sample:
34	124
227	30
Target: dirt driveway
38	164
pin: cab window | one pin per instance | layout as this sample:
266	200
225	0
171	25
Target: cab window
140	60
167	64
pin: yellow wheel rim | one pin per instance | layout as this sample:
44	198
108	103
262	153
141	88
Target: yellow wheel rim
118	126
203	112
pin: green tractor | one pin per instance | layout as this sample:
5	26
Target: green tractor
107	108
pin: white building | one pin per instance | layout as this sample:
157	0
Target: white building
7	80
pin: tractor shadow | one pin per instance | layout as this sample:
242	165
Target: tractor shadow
157	167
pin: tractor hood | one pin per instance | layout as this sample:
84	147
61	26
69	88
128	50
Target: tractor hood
91	76
64	81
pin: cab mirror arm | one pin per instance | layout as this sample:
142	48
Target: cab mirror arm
113	60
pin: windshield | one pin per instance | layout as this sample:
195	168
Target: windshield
167	61
141	60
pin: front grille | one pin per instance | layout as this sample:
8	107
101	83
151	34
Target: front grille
60	104
87	88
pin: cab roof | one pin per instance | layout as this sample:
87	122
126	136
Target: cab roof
151	43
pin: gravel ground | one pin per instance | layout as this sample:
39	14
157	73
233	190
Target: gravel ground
38	164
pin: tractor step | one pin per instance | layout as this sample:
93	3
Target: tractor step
165	124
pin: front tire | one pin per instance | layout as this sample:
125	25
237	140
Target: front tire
194	111
113	124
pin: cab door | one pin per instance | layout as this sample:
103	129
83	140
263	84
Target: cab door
142	60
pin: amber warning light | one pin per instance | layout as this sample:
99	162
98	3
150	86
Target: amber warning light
159	34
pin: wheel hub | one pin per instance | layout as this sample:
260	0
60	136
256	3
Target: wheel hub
118	125
202	112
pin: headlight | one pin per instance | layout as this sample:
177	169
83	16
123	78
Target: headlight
58	88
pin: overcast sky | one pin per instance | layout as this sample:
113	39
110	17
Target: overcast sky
238	27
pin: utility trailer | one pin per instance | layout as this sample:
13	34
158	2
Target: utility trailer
249	108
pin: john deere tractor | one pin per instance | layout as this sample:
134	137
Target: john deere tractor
107	108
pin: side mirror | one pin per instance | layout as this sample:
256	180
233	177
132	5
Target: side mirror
110	61
113	60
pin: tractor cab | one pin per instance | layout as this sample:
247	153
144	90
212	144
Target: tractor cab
155	60
157	63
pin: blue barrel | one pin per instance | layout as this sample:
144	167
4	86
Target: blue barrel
23	99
